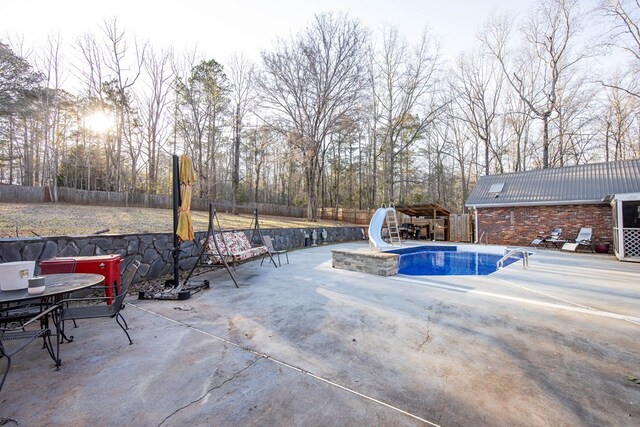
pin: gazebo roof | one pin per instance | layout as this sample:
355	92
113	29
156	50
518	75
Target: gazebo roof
425	210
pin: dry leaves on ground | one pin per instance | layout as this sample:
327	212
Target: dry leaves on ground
60	219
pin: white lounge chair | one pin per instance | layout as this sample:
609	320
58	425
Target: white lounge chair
553	236
583	239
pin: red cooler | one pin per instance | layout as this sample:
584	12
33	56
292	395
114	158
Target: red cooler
107	265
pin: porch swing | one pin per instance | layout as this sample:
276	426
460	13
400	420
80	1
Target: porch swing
229	247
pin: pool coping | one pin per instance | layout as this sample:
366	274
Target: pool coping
387	263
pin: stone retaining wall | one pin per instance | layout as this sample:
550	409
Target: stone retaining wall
154	251
366	261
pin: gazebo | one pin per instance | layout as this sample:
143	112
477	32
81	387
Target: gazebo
432	218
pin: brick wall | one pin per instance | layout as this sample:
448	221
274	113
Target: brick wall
520	225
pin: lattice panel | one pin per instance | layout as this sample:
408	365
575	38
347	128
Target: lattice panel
631	242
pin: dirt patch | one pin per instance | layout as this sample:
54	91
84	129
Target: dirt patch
159	284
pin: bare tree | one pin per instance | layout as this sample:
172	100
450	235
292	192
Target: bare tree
547	39
50	65
620	117
462	148
518	118
123	76
154	104
242	92
91	70
311	83
573	120
403	80
624	34
92	74
477	88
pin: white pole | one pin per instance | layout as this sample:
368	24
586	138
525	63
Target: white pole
475	212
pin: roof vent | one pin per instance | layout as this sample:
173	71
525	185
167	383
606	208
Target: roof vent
496	188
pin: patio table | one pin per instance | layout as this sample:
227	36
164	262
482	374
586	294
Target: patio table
56	287
19	304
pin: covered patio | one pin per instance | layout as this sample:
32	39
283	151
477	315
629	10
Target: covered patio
425	221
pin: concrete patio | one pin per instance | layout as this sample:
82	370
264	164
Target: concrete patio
310	345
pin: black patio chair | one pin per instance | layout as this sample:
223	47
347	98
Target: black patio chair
87	308
25	336
61	265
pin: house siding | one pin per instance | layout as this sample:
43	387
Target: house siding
520	225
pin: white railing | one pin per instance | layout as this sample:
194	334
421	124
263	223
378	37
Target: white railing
509	253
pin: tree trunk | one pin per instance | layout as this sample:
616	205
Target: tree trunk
235	181
374	173
545	141
311	184
11	142
119	135
486	156
606	142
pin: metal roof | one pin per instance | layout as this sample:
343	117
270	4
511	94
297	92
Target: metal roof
430	210
581	184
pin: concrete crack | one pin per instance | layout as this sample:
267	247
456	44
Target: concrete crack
444	404
288	366
228	380
427	336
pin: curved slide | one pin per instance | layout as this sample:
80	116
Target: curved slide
375	228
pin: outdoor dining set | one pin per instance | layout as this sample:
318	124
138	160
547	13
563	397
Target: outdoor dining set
415	231
34	308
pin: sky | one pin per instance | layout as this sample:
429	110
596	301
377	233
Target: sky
221	28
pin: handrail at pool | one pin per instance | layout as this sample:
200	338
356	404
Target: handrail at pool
510	253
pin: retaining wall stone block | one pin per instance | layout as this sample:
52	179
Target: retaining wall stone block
32	251
154	250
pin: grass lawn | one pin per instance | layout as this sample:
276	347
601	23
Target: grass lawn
59	219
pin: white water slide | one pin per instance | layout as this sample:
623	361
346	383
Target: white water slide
375	228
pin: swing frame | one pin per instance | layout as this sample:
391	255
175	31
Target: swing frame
210	236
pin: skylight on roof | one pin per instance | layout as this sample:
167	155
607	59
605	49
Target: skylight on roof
496	188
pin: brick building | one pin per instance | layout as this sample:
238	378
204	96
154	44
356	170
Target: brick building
514	208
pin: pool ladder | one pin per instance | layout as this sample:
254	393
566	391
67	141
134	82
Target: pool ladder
392	226
509	253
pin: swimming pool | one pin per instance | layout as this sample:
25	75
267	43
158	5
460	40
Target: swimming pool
447	261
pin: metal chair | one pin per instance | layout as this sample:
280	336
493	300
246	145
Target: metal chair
541	240
583	239
61	266
269	244
24	336
92	311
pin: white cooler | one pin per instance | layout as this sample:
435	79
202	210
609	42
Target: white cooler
15	275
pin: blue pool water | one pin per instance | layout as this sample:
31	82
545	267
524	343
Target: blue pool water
446	261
